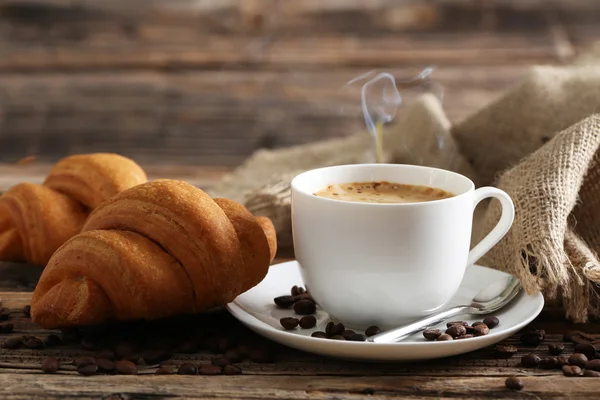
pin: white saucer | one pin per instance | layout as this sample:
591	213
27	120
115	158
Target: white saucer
255	309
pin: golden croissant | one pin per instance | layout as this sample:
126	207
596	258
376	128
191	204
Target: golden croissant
35	220
160	249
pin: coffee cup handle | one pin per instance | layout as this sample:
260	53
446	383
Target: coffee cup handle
501	228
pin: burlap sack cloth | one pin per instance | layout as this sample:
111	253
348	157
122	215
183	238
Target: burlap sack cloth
539	142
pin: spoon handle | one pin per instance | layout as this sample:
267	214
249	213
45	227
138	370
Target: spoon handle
394	335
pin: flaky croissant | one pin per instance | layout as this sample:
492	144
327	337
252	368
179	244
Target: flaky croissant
160	249
35	220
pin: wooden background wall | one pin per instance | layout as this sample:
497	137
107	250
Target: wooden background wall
207	82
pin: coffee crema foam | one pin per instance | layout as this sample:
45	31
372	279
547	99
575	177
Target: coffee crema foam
382	192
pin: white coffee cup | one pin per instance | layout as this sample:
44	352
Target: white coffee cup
386	264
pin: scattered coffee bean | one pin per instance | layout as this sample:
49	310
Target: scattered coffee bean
533	338
303	296
337	337
220	361
562	360
465	336
491	322
481	330
470	330
348	333
135	358
514	383
187	369
578	337
261	355
548	363
432	334
505	351
32	342
289	323
337	329
234	356
305	307
308	322
50	365
84	361
232	370
105	353
578	359
372	331
585	348
474	324
571	370
297	290
456	331
27	311
284	301
12	343
319	334
463	323
152	357
105	365
556	349
358	337
588	373
87	369
443	337
6	328
125	367
166	370
210	370
530	361
593	365
52	340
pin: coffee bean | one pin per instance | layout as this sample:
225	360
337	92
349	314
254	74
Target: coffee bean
571	370
6	328
432	334
337	337
533	338
84	361
297	290
465	336
588	373
303	296
166	370
284	301
232	370
586	348
372	331
125	367
156	356
220	361
50	365
556	349
12	343
105	353
87	369
491	322
593	365
514	383
481	330
210	370
470	330
474	324
578	337
305	307
348	333
105	365
505	351
358	337
578	359
27	311
443	337
456	331
261	355
308	322
319	334
562	360
52	340
329	328
463	323
548	363
187	369
337	329
234	356
32	342
530	361
135	358
289	323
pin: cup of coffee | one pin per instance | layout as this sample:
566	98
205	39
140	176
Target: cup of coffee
383	244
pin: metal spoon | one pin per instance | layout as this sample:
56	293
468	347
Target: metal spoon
490	299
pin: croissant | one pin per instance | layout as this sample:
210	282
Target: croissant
159	249
35	220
